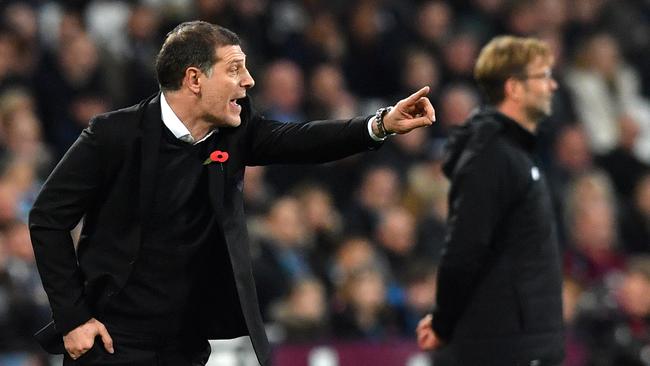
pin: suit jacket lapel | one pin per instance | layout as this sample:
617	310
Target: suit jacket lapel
216	176
151	132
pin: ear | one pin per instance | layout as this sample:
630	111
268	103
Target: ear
512	89
192	79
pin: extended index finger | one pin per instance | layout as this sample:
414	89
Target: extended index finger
413	98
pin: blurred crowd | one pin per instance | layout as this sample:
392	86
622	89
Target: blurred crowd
348	250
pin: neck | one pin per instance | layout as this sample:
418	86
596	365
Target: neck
185	106
518	115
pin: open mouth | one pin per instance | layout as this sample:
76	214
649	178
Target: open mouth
237	101
234	103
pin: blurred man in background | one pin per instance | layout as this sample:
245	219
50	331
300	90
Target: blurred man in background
498	298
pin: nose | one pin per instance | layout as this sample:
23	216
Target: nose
247	80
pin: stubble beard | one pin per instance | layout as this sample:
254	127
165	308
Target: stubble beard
538	113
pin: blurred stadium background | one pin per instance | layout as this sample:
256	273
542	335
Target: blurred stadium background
345	253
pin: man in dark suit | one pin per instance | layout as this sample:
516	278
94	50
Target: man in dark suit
498	299
163	263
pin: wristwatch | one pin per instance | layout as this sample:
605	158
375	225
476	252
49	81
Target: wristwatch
379	118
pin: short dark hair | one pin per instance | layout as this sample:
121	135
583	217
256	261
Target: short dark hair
190	44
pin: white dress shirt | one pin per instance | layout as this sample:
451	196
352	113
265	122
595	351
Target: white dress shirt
174	124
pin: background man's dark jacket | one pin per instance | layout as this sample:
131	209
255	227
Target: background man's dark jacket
108	177
499	281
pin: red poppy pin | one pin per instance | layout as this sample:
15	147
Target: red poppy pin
217	156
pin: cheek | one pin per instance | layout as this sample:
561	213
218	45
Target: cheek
220	98
217	102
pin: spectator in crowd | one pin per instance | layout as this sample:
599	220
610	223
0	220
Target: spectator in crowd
9	198
325	40
320	42
21	18
303	315
258	195
14	345
71	90
71	24
218	12
142	42
426	198
31	306
22	131
456	103
323	221
571	158
483	17
20	175
252	19
628	23
522	17
553	16
498	299
621	163
370	38
396	238
403	152
419	295
426	188
459	54
328	95
420	68
378	191
613	320
606	92
284	255
433	25
8	59
361	310
593	254
286	106
354	252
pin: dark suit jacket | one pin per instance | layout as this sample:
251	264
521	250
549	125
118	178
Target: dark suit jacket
108	177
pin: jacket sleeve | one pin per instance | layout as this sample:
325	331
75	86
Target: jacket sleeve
477	201
62	202
309	142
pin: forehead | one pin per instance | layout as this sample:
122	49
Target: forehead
230	53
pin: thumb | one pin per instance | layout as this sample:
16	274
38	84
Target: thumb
106	338
408	125
425	322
